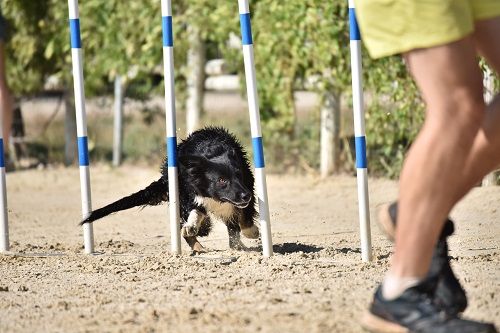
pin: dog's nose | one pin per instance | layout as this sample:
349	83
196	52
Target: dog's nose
245	197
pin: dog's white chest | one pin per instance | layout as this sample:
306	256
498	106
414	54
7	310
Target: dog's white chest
221	211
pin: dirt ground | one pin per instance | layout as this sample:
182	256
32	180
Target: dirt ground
315	282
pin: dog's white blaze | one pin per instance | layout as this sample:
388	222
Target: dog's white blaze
220	211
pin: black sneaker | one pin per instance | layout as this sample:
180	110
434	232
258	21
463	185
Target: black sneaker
415	311
448	294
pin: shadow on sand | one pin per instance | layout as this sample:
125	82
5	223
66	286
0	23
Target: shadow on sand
286	248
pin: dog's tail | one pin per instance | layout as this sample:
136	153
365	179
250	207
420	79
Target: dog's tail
154	194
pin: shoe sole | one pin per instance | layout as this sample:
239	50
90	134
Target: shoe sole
376	324
385	221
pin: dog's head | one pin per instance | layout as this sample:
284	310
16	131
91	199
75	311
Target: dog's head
218	179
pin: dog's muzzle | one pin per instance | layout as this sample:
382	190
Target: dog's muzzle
240	204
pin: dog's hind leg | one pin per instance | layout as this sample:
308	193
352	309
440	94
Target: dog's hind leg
251	232
195	246
248	228
247	224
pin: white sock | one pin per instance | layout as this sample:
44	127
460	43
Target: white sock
393	286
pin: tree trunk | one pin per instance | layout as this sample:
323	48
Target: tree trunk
330	134
195	79
70	147
118	122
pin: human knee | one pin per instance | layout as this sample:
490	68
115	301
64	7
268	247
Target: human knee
462	111
470	108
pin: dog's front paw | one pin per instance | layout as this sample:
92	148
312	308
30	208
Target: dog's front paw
251	232
198	249
238	246
189	231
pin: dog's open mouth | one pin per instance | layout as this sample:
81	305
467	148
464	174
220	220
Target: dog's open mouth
241	204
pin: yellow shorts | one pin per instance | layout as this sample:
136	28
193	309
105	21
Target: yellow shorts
395	26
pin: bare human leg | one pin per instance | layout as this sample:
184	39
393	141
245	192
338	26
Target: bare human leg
432	177
487	141
483	155
484	149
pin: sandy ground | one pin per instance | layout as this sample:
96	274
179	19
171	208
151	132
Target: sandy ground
315	282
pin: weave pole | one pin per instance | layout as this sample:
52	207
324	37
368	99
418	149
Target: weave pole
253	108
81	122
359	134
171	139
4	220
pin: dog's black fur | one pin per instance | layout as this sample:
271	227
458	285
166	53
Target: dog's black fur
215	183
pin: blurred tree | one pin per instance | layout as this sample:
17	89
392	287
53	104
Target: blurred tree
297	44
300	45
36	48
118	37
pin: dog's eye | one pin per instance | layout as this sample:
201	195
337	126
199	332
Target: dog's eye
222	181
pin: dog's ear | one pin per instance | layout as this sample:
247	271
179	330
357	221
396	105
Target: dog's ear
193	161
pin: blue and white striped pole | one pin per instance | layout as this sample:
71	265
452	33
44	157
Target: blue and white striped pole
253	108
171	140
81	122
4	221
359	134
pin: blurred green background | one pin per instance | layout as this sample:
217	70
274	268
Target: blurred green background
299	46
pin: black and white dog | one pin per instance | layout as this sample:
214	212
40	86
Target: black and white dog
215	184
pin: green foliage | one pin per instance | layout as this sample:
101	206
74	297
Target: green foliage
36	47
394	116
298	44
294	41
118	37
